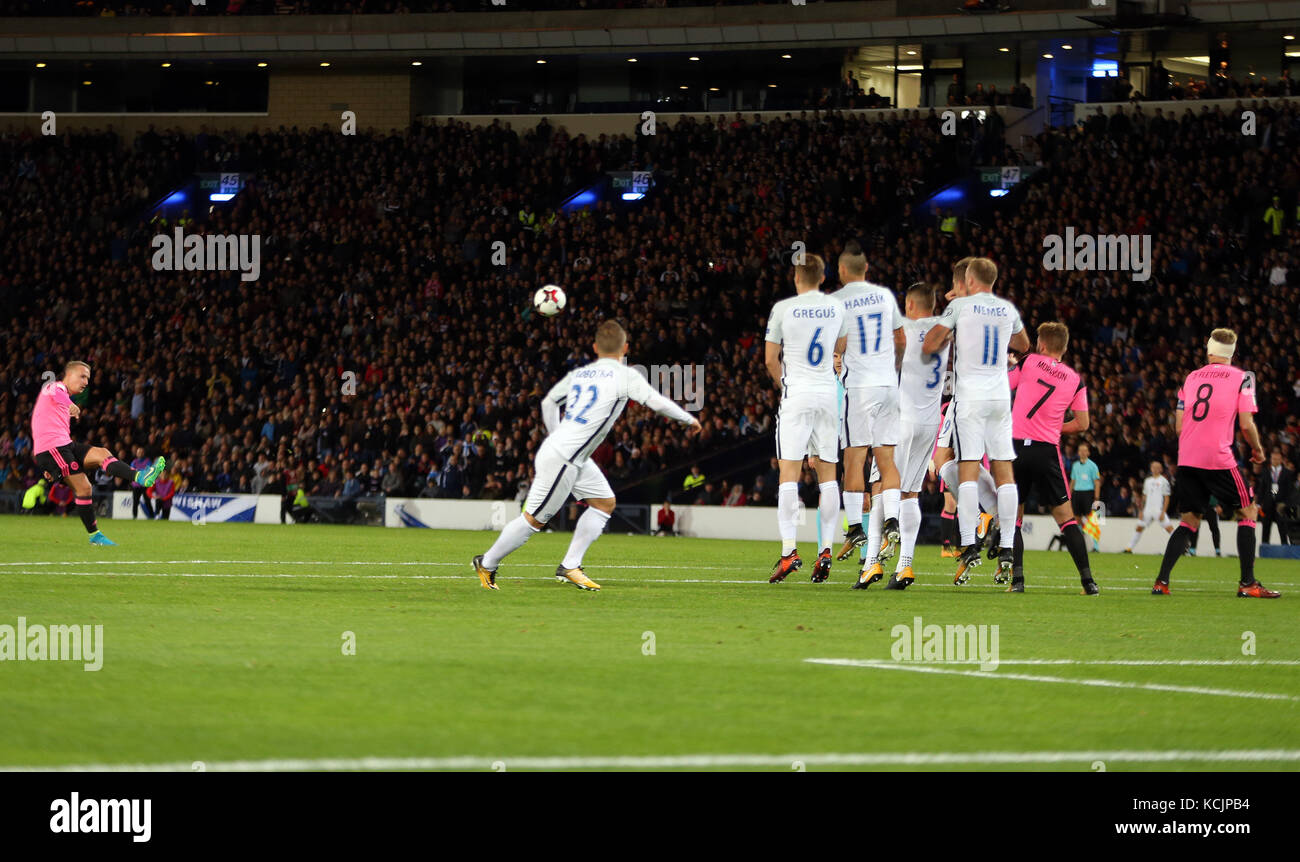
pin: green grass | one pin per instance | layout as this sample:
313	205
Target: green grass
218	648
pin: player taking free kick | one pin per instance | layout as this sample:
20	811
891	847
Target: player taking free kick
1216	400
593	397
63	460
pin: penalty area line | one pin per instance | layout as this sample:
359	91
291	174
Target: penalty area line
928	667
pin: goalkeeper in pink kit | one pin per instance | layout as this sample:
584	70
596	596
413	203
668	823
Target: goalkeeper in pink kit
66	461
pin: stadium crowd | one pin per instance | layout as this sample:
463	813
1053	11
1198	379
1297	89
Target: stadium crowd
376	273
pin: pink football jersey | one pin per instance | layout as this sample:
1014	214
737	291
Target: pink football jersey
1210	399
1045	388
51	423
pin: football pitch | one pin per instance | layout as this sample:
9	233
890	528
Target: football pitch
345	648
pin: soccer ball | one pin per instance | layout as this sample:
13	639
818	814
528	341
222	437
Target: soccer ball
549	300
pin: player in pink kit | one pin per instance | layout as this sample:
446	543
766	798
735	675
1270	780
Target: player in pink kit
1045	388
1215	400
61	459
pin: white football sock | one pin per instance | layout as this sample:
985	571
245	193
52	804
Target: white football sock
512	538
967	511
875	523
1133	542
828	508
909	524
891	497
1008	502
588	529
853	507
787	511
989	493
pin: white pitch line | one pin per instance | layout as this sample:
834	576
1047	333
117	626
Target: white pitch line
1154	662
927	667
689	761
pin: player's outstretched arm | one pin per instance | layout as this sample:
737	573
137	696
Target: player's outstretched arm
665	407
900	346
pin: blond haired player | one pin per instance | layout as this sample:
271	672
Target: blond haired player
944	465
593	397
68	462
983	327
1216	400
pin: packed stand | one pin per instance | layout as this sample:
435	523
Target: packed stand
376	271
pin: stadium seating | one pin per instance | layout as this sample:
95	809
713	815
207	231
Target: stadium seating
377	262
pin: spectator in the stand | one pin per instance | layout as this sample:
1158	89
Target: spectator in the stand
61	498
162	493
666	520
138	496
693	480
956	95
1273	490
736	497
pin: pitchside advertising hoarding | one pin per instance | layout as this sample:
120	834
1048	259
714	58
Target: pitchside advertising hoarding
209	508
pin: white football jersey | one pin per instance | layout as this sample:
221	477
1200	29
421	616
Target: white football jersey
594	397
920	386
807	327
873	317
982	327
1155	489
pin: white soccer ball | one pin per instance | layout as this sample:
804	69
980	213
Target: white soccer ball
549	300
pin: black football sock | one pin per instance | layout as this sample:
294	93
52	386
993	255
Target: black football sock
87	513
1078	548
117	469
1018	556
1178	541
1246	550
947	529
